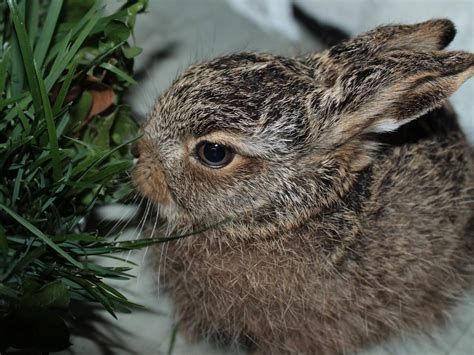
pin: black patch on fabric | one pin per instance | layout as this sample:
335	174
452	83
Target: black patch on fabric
329	35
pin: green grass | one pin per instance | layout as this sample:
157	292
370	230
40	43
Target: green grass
57	162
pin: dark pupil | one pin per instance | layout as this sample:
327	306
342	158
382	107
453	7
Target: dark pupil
214	153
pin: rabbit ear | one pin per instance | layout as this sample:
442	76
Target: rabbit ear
429	35
433	34
381	94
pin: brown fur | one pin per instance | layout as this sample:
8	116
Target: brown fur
341	232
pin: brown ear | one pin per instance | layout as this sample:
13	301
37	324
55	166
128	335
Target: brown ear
433	34
429	35
381	94
386	78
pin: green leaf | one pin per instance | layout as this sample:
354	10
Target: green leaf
100	132
17	71
73	31
82	238
81	108
16	259
96	293
41	236
60	64
128	13
53	295
172	343
84	167
131	52
46	192
58	51
58	104
63	123
109	170
120	73
117	31
4	65
47	32
113	291
38	91
26	55
24	121
123	126
28	259
18	180
52	135
33	17
12	100
7	149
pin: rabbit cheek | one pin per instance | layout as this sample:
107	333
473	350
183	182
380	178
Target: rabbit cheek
222	184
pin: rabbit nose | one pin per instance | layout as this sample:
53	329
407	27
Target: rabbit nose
134	150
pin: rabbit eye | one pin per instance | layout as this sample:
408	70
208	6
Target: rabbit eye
214	155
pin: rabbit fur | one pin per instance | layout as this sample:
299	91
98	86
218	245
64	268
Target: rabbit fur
346	216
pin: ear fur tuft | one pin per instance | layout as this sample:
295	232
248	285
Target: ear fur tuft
388	77
448	34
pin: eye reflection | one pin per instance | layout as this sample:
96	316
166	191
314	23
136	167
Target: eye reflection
214	155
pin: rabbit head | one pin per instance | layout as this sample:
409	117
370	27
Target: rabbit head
274	139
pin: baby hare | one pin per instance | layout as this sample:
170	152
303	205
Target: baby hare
332	194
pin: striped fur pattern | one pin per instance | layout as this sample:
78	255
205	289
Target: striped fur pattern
348	207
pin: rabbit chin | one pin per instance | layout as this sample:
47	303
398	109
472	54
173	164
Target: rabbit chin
167	210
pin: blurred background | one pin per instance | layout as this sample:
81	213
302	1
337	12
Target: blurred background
177	33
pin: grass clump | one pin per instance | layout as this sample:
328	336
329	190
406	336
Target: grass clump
64	131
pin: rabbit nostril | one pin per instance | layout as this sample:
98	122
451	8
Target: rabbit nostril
135	152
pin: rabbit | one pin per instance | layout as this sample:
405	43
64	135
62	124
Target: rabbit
330	196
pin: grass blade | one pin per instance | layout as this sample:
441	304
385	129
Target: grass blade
58	104
59	48
47	31
26	54
60	65
12	100
174	333
120	73
17	74
4	64
51	127
33	16
41	235
18	181
24	121
37	87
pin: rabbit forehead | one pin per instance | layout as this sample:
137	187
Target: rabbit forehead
254	95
